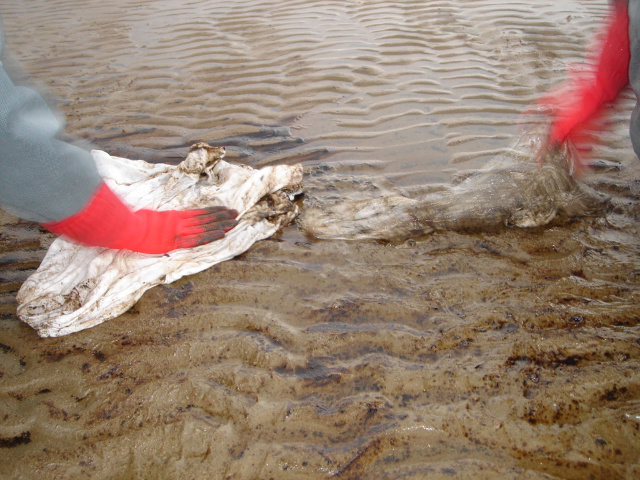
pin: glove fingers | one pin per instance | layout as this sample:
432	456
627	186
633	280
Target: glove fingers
200	239
194	219
219	213
209	237
222	226
195	230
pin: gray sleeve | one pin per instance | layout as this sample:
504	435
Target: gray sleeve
634	71
42	178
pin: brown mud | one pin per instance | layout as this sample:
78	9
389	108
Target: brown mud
506	354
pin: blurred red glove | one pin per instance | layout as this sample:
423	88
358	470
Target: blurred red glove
578	101
108	222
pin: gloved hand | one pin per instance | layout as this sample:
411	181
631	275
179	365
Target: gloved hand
107	222
577	102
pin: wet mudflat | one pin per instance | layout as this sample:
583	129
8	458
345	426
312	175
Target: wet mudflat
508	353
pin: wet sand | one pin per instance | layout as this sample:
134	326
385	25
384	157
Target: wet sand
509	354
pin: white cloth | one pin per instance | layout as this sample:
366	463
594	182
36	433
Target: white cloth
78	287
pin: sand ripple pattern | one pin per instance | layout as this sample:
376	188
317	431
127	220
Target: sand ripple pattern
506	355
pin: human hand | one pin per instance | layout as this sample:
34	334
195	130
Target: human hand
107	222
570	117
574	106
163	231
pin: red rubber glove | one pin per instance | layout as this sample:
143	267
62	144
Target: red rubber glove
107	222
578	101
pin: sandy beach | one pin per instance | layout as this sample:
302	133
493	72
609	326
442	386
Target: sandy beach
508	354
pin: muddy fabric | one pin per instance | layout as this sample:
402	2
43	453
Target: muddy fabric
77	287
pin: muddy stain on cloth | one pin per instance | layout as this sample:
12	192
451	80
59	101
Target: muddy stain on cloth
510	353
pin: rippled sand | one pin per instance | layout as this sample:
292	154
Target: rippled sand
510	354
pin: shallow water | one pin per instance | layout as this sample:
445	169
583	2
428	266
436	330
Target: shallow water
504	354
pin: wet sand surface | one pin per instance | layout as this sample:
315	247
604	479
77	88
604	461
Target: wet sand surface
509	354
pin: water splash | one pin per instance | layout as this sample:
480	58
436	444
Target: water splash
511	190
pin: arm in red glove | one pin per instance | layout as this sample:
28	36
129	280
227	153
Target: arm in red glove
107	222
579	100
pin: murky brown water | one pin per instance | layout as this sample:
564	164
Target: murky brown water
506	354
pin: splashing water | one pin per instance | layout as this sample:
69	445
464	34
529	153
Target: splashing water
511	190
